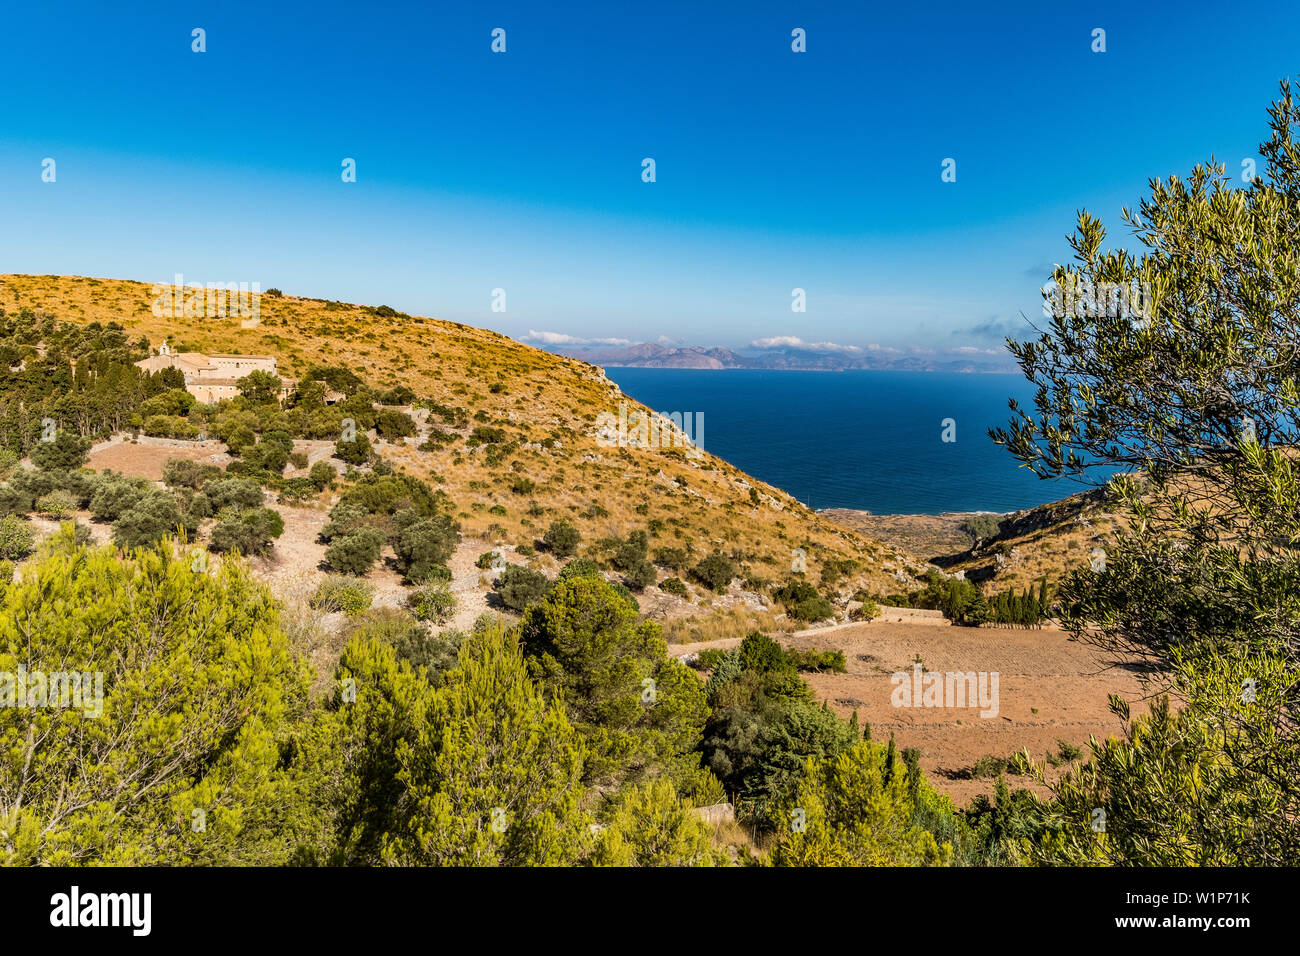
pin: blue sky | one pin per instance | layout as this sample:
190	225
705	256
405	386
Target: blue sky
522	170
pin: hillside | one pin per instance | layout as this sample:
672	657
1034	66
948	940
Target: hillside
551	464
1050	539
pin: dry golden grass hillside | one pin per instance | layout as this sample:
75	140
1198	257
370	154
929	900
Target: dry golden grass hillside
700	505
1050	539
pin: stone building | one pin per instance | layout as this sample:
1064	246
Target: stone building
211	378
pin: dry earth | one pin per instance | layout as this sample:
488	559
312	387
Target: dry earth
1050	688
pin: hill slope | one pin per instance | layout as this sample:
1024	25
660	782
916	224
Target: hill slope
548	405
1050	539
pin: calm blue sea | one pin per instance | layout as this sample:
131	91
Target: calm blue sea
868	440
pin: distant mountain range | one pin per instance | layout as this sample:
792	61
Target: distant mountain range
788	358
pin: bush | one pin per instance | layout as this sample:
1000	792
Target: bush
344	519
562	539
390	423
485	435
267	456
802	601
322	475
519	587
183	473
412	641
170	426
16	538
148	520
675	558
641	576
434	602
237	493
355	553
580	568
868	611
198	508
715	571
814	660
523	486
116	495
424	545
13	501
484	561
66	452
240	437
709	658
57	504
631	553
439	572
674	586
250	532
389	494
152	518
342	593
355	452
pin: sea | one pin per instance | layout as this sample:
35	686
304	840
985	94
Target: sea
869	440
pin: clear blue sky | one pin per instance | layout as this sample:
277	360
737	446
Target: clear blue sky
522	170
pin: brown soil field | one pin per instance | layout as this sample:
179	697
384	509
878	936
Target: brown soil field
148	460
1050	688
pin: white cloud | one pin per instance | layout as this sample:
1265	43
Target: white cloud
560	338
794	342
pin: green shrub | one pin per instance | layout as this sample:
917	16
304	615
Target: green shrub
485	435
342	593
433	602
57	504
802	601
65	452
632	552
355	452
981	527
355	553
562	539
183	473
519	587
152	518
237	493
715	571
13	501
322	475
709	658
675	558
814	660
641	576
390	423
16	538
674	586
868	611
249	532
424	545
580	568
115	495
